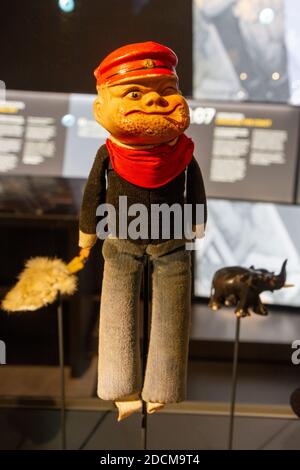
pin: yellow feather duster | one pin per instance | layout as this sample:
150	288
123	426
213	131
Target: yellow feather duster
42	280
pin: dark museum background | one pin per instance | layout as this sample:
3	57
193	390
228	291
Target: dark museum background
238	64
45	49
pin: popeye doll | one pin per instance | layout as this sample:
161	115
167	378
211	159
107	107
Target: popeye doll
148	159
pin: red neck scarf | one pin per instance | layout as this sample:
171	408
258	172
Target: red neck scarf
153	167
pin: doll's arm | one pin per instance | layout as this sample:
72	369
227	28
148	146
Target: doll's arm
195	194
94	194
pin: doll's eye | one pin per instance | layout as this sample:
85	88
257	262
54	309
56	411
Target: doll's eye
134	95
170	90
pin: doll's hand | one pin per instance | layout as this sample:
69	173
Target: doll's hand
199	230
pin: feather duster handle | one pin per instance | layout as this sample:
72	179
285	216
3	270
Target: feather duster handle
77	263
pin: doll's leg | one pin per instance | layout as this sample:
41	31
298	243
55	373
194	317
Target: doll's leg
165	378
119	369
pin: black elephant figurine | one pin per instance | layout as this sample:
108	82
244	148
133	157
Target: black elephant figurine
240	287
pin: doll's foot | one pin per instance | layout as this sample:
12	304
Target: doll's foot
128	405
153	407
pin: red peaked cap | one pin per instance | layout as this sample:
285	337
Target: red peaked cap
136	60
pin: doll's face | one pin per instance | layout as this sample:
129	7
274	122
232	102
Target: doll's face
147	110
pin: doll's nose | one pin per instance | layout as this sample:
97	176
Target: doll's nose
154	98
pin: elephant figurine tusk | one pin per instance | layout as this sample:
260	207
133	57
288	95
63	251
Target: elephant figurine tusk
288	285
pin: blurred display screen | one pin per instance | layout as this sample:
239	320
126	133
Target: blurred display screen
245	234
48	134
246	150
246	50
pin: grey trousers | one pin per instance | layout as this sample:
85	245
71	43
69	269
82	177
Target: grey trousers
119	366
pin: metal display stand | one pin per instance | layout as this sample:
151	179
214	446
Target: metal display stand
146	304
62	373
234	382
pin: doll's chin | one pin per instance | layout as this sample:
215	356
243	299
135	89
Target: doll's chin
156	135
